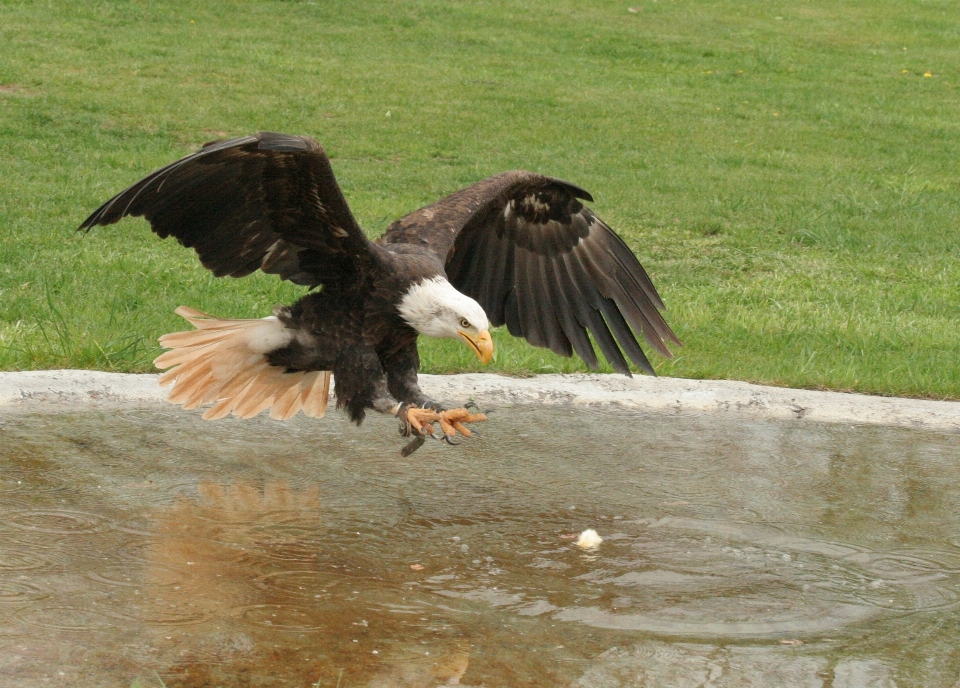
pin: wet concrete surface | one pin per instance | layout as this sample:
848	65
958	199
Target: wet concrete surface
150	545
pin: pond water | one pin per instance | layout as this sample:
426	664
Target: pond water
147	545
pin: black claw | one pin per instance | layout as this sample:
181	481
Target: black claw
413	445
433	406
449	439
471	404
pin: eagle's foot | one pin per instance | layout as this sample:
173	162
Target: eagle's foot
418	422
452	422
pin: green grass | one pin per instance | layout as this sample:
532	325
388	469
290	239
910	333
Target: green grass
785	171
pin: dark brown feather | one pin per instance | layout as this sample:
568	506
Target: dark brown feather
525	247
268	202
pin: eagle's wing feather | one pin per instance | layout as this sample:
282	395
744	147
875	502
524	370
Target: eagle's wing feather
526	248
267	202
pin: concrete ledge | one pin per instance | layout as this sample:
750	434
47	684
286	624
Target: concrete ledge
77	387
57	388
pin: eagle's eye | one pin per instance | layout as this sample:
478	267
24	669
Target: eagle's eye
464	322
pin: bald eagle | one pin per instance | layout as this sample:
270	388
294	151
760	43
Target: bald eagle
517	248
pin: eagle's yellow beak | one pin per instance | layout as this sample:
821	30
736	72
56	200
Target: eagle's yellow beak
482	344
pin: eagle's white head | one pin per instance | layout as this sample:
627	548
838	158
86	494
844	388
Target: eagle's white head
434	308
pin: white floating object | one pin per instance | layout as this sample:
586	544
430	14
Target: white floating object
589	539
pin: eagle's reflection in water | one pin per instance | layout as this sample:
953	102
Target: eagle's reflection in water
241	590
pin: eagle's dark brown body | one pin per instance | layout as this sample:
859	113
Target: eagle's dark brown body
520	244
358	334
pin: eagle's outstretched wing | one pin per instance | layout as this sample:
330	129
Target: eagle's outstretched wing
268	202
535	258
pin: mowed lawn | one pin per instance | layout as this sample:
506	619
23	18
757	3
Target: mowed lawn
788	173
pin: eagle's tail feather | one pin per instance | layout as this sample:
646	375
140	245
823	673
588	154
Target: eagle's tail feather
316	393
224	362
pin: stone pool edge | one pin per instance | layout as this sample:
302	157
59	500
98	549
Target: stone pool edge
70	388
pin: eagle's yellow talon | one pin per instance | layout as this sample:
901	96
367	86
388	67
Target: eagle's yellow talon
453	421
447	427
420	423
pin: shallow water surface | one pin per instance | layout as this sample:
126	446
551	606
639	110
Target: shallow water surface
149	543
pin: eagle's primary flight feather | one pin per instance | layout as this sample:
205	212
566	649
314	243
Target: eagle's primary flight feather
517	248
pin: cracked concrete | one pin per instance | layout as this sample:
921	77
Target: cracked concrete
63	389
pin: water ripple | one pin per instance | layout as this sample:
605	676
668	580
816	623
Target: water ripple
307	584
115	576
28	483
55	521
21	591
66	618
22	561
695	622
173	615
278	616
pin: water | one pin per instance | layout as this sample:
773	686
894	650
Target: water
148	544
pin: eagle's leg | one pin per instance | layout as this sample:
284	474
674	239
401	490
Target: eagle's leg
415	411
401	368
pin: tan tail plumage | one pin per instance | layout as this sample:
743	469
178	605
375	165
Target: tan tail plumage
223	362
